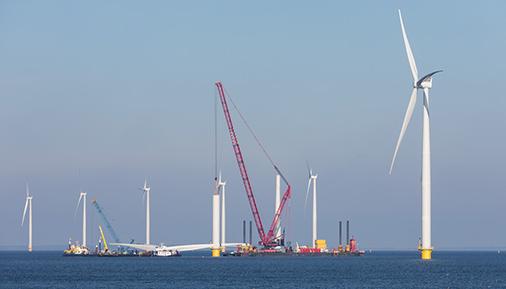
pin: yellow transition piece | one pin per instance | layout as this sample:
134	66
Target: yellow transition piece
426	254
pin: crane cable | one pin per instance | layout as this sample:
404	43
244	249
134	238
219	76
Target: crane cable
215	135
256	138
218	142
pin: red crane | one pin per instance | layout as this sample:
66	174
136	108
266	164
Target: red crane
265	240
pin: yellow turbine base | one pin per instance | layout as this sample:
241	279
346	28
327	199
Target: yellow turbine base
216	252
426	254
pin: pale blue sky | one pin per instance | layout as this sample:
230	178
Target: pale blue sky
120	90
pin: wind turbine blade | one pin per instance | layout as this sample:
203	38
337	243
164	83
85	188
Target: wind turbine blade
409	52
78	202
307	193
27	189
426	99
24	212
405	123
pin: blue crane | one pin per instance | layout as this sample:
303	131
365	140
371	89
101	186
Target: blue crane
106	222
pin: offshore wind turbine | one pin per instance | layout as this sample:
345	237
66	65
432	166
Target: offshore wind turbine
82	195
312	181
425	84
146	190
28	205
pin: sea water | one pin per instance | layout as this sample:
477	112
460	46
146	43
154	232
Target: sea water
197	270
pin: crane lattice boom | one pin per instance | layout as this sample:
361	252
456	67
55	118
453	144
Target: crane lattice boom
106	221
265	240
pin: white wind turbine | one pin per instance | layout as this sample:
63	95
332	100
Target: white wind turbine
146	190
82	195
28	205
312	180
424	83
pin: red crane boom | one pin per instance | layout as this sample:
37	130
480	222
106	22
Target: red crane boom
265	240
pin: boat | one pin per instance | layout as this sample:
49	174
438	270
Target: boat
164	252
76	250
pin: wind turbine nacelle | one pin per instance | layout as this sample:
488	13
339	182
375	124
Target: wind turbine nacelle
426	81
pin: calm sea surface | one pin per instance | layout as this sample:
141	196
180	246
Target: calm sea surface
375	270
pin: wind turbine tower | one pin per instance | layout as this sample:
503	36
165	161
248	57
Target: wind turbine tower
312	181
146	190
425	84
28	205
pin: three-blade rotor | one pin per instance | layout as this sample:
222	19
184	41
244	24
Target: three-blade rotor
145	189
424	83
311	178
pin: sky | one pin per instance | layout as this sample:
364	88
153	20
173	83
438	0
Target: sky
99	95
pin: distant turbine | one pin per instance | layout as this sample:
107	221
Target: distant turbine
312	180
82	195
28	205
424	83
146	191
